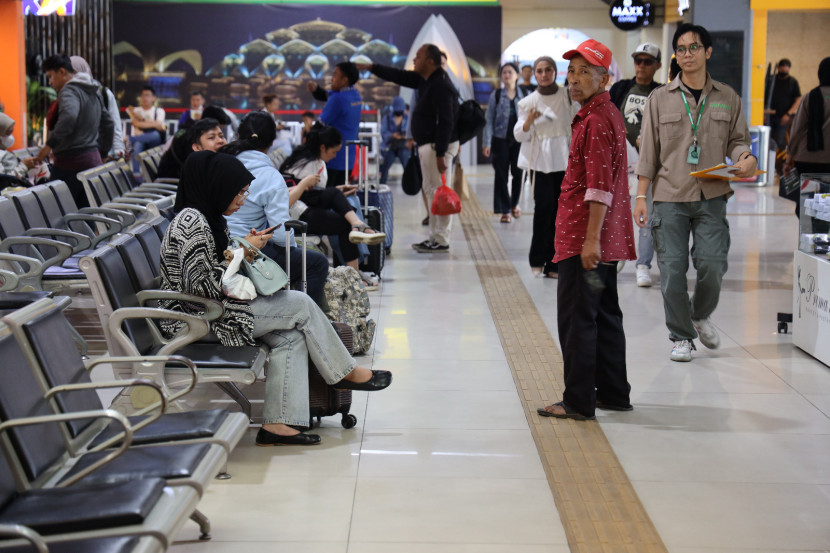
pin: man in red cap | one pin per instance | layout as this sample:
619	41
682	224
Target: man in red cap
593	232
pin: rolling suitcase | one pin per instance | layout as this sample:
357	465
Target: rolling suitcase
380	196
373	217
323	399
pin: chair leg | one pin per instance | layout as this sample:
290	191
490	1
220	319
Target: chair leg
204	524
223	474
236	394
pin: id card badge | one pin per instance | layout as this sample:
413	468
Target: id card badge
694	155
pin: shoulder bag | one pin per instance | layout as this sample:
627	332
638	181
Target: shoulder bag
264	272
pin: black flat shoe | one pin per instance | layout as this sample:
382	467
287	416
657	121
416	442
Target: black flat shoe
265	439
608	407
379	381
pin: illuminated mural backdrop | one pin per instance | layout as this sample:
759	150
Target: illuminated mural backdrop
235	53
48	7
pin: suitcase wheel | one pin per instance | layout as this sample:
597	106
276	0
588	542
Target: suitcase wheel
348	421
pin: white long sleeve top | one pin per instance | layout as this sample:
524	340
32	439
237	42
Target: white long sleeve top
546	145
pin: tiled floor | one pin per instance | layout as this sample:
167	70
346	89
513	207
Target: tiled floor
728	453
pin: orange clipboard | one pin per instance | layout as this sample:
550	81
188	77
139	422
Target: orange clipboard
720	172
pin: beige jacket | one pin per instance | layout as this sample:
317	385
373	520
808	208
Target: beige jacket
667	135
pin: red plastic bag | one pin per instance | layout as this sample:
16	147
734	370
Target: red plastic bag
446	201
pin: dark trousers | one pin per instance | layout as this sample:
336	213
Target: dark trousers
592	338
336	177
505	156
317	270
75	185
326	216
546	199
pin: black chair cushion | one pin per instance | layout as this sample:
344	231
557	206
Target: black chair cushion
56	510
16	300
217	356
101	545
172	427
167	461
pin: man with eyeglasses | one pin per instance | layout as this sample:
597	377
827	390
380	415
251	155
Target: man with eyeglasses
690	124
629	95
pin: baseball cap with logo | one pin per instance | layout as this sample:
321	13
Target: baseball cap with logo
647	48
592	50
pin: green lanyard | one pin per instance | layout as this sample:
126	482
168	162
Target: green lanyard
689	113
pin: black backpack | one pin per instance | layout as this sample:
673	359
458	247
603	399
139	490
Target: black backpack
470	120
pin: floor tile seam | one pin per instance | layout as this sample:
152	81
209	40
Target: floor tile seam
473	218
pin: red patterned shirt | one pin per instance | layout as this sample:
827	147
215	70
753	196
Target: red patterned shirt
597	172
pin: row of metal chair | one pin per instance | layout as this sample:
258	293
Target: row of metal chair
148	163
79	477
113	183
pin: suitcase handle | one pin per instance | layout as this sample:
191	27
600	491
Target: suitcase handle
297	226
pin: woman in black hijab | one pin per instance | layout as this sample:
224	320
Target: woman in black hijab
289	322
809	146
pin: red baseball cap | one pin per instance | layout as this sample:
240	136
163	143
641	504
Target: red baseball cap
592	50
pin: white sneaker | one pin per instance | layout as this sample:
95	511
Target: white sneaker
620	265
643	278
707	333
682	350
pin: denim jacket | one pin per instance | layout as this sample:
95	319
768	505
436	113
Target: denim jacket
497	116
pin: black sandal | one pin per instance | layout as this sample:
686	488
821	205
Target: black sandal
568	414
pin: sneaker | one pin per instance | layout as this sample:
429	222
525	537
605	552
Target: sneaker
707	333
643	278
427	246
620	265
682	350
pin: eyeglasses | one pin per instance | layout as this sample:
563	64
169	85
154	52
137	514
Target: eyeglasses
692	49
243	194
645	61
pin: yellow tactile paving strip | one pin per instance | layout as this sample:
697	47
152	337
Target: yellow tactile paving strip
598	505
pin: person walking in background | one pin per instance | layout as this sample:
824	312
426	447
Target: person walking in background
148	124
527	75
118	148
393	133
342	111
499	141
692	123
434	130
809	146
629	95
593	233
786	95
79	126
543	128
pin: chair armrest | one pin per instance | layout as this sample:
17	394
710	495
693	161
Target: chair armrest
79	242
113	226
125	217
156	188
32	274
152	359
63	417
213	308
142	195
132	200
25	533
64	249
197	327
170	183
9	279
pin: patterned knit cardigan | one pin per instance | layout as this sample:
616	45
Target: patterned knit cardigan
189	264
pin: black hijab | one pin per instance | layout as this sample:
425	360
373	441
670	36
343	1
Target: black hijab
815	117
209	183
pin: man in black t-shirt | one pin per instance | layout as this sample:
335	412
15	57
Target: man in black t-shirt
630	97
786	95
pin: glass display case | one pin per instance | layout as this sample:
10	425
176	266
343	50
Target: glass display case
811	269
814	218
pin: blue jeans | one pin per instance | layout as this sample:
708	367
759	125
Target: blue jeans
645	246
389	157
295	329
144	141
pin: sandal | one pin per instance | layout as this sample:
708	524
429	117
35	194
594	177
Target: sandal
569	413
358	235
505	218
